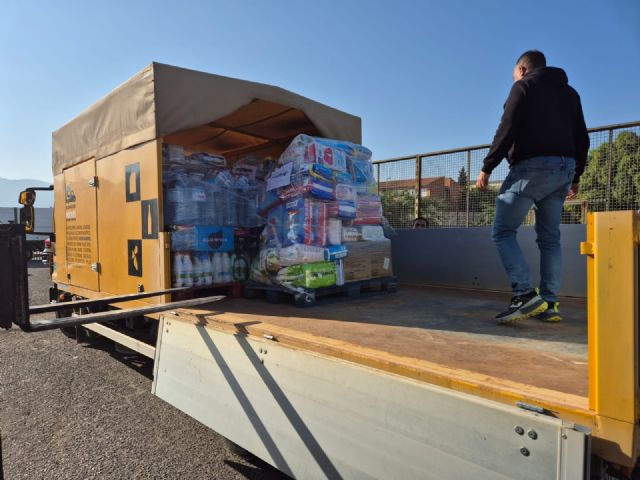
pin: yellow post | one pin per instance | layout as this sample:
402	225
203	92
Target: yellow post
612	245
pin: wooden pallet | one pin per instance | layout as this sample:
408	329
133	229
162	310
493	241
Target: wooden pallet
230	290
308	297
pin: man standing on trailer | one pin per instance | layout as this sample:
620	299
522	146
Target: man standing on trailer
543	135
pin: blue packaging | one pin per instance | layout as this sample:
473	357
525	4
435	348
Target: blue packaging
273	234
335	252
203	238
306	222
294	222
320	189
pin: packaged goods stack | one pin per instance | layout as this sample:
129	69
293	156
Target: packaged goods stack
206	207
323	218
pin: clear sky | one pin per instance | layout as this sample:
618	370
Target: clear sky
423	75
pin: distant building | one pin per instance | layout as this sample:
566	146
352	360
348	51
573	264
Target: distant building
441	188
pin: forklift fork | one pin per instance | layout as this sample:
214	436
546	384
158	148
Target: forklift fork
14	293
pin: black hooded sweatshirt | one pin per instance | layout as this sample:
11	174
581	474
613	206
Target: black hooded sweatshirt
542	117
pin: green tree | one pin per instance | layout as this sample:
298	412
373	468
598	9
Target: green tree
399	208
461	201
482	206
462	177
612	175
434	209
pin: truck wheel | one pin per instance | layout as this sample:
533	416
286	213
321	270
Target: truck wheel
67	331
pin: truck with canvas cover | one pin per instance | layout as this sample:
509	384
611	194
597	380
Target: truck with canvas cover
419	384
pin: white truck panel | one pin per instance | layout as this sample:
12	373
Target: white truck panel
313	416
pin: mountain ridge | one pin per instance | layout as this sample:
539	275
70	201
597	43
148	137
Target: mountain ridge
10	190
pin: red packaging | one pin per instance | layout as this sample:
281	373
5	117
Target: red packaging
368	210
315	222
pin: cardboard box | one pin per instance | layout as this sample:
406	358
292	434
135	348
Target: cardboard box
367	260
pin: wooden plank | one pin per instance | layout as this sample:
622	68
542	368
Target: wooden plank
418	334
125	340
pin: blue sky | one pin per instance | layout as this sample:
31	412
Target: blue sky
423	75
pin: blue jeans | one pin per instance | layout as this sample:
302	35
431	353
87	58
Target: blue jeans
541	182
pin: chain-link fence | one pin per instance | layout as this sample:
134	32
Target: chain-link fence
440	186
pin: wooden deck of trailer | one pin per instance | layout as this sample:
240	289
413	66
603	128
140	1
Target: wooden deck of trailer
446	337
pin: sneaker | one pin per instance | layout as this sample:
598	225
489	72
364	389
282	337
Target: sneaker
551	314
522	306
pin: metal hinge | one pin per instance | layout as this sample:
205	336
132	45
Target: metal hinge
95	267
534	408
586	248
93	182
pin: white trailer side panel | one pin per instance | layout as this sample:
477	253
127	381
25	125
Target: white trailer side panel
313	416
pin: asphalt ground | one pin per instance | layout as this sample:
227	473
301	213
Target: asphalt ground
85	411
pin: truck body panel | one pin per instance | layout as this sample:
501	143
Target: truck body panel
314	416
129	208
80	226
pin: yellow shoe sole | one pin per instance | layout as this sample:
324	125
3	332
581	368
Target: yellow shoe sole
551	319
541	309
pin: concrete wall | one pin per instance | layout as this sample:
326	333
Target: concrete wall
466	257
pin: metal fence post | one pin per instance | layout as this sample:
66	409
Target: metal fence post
468	187
609	166
416	207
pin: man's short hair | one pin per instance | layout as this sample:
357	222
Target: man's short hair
421	219
532	59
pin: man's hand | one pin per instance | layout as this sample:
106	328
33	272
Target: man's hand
483	181
573	191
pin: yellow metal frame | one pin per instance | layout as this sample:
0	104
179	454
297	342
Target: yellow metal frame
117	219
612	246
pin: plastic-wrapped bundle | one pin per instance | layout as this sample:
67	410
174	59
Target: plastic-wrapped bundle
368	210
364	180
267	200
308	275
191	211
214	204
310	211
245	197
206	160
314	180
202	238
175	195
265	264
296	254
333	154
345	203
185	198
339	209
273	232
306	222
172	158
252	217
218	187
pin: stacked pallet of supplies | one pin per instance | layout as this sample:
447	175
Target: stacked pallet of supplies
323	218
211	212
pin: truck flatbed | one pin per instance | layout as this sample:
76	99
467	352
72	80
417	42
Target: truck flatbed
444	336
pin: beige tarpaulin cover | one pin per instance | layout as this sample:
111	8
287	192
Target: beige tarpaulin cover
162	100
